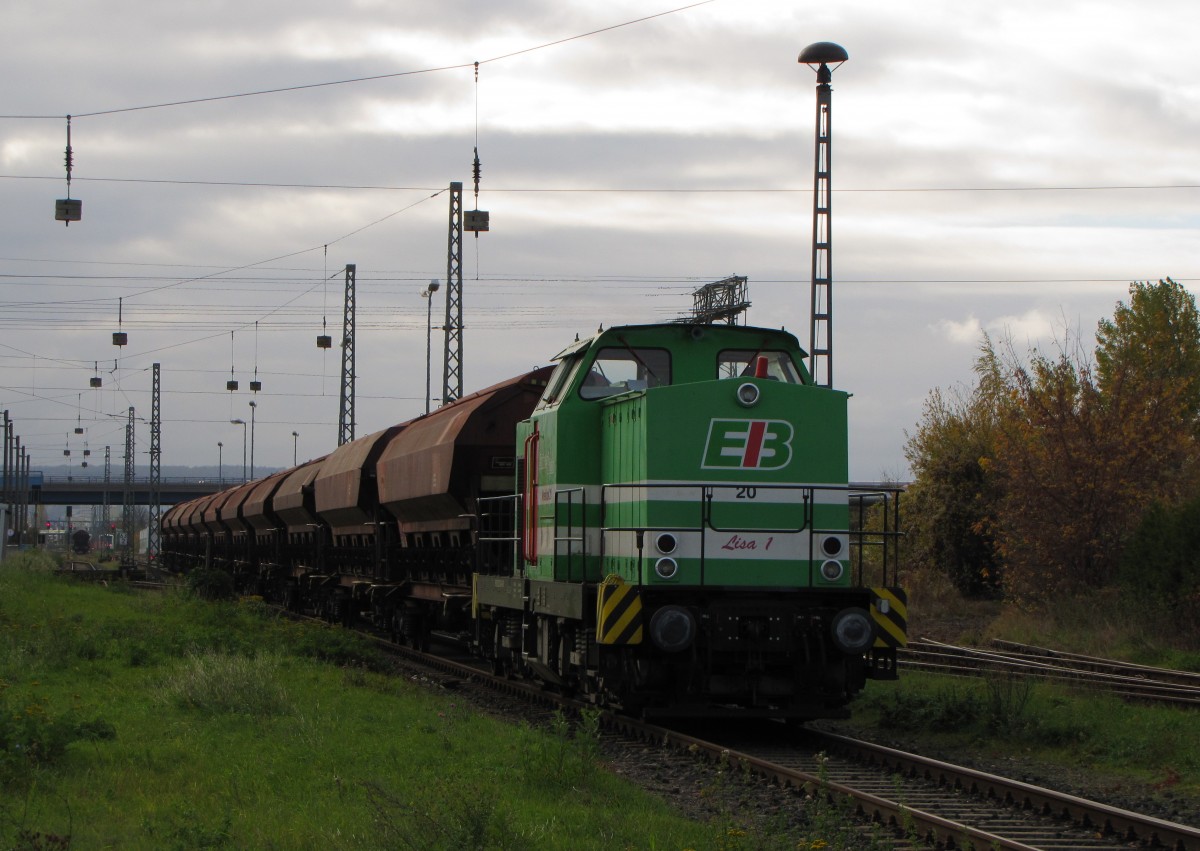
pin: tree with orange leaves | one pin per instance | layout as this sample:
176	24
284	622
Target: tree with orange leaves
1043	471
1085	449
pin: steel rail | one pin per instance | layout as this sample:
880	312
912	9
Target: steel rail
955	660
1112	821
1098	664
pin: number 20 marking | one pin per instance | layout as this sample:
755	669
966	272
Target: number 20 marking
746	493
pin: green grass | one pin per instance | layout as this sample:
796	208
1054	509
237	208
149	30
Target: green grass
1156	747
169	722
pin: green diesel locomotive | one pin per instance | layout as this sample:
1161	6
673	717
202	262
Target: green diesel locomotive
686	542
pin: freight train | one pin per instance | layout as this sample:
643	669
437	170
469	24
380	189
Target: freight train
661	521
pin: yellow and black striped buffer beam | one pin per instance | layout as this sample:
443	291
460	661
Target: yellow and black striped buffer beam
618	612
889	608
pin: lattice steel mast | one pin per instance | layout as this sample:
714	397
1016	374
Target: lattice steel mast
820	349
452	377
106	516
346	409
152	532
23	514
7	488
127	518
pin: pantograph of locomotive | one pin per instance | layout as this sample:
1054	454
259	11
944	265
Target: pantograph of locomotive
661	521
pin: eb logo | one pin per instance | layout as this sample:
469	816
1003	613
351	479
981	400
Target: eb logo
748	445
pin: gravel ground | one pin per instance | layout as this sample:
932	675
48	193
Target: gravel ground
702	793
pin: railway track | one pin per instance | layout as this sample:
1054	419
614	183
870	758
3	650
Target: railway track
920	802
917	801
923	802
953	806
1126	680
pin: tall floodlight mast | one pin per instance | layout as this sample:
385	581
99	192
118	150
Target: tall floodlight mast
819	57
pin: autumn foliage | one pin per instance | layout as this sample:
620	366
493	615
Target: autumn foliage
951	504
1034	482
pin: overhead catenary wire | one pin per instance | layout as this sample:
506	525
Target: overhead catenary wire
641	190
366	79
325	246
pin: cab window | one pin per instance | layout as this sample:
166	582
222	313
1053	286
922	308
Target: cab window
734	363
560	379
620	369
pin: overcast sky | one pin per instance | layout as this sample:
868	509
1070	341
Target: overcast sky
999	167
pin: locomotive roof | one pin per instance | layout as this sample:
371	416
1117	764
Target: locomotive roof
692	328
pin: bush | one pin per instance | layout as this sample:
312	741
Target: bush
565	754
31	738
949	710
337	646
217	683
210	584
448	815
1160	563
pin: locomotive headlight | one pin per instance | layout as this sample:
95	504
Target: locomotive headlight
831	571
853	631
832	546
666	543
666	568
747	395
672	628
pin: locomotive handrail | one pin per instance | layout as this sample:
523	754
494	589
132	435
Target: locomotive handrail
529	545
492	532
571	538
861	539
491	538
807	502
889	498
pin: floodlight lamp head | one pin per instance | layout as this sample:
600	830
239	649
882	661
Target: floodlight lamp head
821	55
